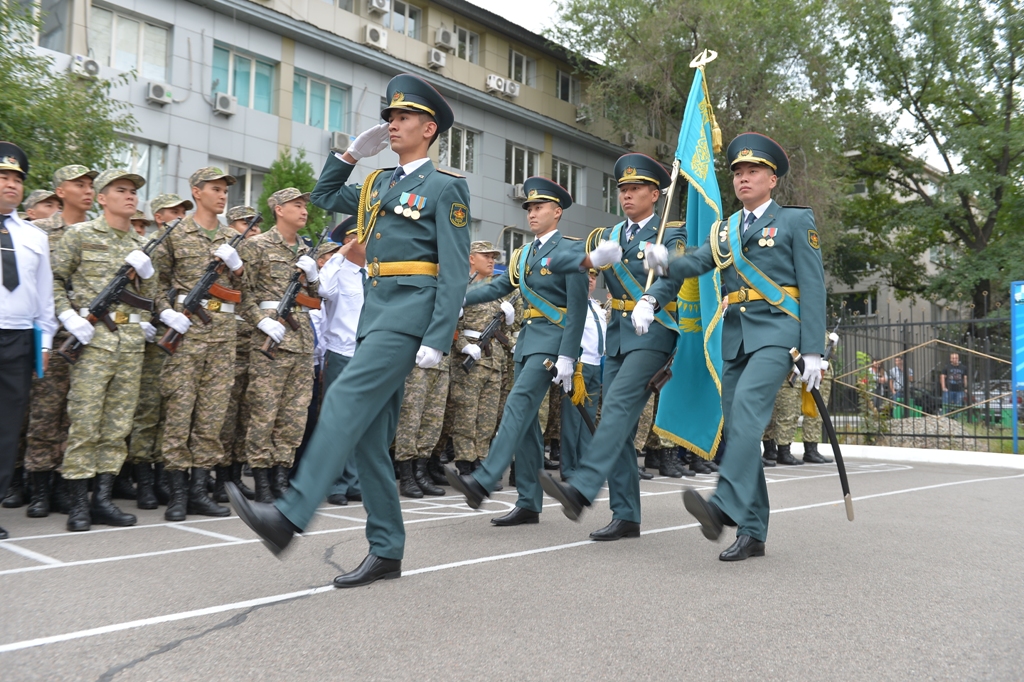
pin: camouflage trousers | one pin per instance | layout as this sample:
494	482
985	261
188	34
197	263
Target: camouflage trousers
48	414
196	385
278	395
475	398
645	435
142	448
553	425
508	378
787	410
236	419
422	414
101	405
812	428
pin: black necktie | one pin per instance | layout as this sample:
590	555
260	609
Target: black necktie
397	176
8	263
536	246
362	271
631	232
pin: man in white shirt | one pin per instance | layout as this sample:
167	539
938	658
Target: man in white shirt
26	301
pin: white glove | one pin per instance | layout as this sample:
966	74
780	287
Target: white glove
462	311
272	328
510	312
308	266
370	142
812	371
427	357
175	320
141	263
643	316
149	330
565	367
656	258
77	326
472	350
229	256
606	253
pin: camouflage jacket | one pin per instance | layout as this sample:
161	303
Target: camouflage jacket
474	319
181	261
54	226
269	266
90	253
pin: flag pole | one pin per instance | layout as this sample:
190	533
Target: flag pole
669	196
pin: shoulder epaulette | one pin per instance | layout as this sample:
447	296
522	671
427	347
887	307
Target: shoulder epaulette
451	173
575	239
806	207
675	223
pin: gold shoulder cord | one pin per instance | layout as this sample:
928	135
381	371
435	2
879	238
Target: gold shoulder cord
593	239
513	266
363	229
721	262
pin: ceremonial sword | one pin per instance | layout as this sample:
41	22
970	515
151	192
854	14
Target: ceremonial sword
550	366
798	360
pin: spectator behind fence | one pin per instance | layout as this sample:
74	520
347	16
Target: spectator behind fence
954	384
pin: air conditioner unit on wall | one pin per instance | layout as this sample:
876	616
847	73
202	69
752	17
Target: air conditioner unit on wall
583	114
340	142
436	58
85	67
664	149
225	104
378	6
158	93
375	36
511	88
495	84
445	39
628	140
518	193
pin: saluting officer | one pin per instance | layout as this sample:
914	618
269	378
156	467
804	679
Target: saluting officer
770	260
413	220
555	319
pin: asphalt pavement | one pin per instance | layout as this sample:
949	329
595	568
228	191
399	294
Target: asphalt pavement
924	584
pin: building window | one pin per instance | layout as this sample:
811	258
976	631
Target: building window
653	125
859	303
404	18
469	45
345	5
319	104
250	80
53	34
568	88
520	163
521	68
128	44
610	195
512	239
248	186
569	177
147	160
457	148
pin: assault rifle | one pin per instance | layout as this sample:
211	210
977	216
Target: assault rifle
292	295
115	291
491	331
207	286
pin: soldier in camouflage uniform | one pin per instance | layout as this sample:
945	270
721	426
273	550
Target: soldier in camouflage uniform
419	427
812	428
48	406
196	381
105	380
140	222
236	420
279	390
782	428
41	204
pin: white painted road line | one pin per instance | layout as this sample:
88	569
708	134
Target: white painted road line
29	554
236	606
207	533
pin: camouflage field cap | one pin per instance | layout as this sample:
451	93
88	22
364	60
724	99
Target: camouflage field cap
162	201
40	195
208	174
283	196
108	176
484	247
325	248
73	172
139	215
240	213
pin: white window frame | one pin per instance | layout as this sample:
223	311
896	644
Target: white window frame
328	85
418	30
469	138
511	238
37	9
529	68
530	158
575	87
230	88
243	181
575	178
132	161
467	42
140	42
610	194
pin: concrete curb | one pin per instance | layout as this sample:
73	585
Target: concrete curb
922	456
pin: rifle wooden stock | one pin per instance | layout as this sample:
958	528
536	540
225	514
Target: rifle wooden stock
70	350
268	348
311	302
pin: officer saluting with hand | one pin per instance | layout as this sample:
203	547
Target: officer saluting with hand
414	222
770	260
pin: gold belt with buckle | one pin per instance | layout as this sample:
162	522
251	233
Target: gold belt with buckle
400	268
530	313
629	305
745	294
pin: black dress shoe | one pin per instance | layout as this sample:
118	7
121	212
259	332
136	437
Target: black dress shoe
517	517
644	474
572	500
616	530
355	497
744	547
708	513
274	529
786	457
465	485
3	534
338	499
371	570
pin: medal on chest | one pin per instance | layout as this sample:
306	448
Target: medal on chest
768	237
410	205
544	266
640	251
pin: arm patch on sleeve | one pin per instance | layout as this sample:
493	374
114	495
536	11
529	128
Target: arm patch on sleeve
812	239
459	216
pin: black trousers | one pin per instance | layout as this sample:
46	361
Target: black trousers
16	365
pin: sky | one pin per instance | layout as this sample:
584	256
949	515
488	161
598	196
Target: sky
535	15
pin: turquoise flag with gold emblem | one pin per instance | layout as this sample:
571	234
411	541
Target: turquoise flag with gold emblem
690	409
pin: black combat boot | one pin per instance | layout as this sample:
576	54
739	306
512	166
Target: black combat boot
786	457
700	465
161	485
145	495
78	500
199	501
261	480
236	478
123	488
812	456
103	509
422	478
435	469
39	506
279	480
60	499
465	468
683	457
771	453
177	506
551	462
15	495
667	465
407	485
652	460
223	476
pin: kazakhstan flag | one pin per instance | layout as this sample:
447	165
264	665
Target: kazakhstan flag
690	409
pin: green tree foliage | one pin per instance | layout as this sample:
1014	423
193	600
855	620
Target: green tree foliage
57	118
289	171
947	74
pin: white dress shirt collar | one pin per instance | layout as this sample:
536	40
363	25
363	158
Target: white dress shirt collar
541	241
758	212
